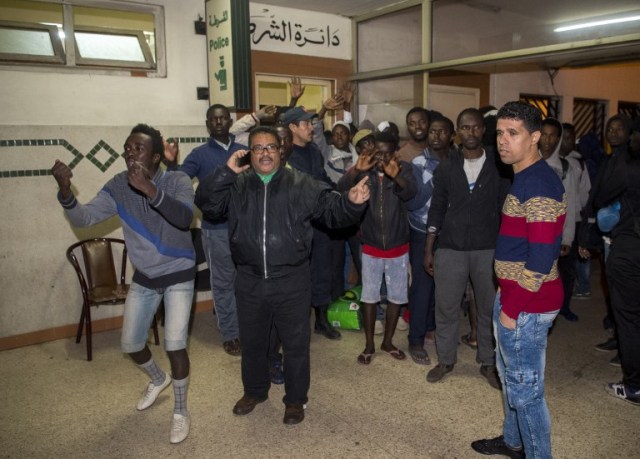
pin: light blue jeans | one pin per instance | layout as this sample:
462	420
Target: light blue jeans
394	272
223	276
142	304
520	358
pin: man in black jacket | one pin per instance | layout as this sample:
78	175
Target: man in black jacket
269	209
464	218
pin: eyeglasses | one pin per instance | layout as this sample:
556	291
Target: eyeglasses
271	148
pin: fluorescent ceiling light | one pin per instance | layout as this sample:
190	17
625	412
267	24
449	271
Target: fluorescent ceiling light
586	25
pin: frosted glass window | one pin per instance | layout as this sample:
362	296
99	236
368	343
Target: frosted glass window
111	47
32	42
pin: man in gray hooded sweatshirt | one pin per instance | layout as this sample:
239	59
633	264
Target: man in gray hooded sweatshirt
549	147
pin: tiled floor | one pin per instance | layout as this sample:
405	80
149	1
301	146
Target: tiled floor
55	404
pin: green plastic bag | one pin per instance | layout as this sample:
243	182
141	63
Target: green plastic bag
345	312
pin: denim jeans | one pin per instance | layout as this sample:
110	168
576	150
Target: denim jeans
583	274
142	304
520	358
422	299
223	276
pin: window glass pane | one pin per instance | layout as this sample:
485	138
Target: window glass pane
93	18
467	29
107	46
32	42
393	40
31	12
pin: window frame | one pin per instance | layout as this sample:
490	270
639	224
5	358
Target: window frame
56	44
89	61
73	63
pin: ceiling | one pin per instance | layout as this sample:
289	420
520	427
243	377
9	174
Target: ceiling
517	15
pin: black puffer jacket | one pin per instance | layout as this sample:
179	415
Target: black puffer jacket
385	224
270	225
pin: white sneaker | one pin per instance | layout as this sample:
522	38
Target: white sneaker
402	324
379	328
151	393
179	427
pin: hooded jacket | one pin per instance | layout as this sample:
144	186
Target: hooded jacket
570	181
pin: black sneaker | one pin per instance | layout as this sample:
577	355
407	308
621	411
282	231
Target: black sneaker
619	390
491	373
609	345
492	446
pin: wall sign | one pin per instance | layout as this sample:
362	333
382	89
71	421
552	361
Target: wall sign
294	31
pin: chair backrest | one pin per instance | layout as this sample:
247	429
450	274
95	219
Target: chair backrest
99	264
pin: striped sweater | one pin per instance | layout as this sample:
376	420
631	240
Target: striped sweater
528	246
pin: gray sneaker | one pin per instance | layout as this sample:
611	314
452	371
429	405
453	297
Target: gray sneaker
438	372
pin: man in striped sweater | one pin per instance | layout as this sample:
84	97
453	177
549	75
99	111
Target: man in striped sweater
531	291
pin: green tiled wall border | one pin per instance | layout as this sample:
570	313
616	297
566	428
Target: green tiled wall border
77	156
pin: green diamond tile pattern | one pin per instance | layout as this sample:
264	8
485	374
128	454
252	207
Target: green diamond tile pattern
100	147
99	150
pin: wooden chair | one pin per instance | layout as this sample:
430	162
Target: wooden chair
98	282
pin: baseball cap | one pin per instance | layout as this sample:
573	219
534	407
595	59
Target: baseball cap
361	134
296	114
341	123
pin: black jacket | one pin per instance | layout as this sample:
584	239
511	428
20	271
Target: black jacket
385	224
462	219
270	225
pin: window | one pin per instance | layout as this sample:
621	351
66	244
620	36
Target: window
548	105
83	34
630	109
589	116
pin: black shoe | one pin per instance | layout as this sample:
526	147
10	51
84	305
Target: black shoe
615	361
326	329
232	347
569	315
491	373
492	446
293	413
438	372
609	345
246	405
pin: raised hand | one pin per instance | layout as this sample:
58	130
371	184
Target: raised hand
234	161
347	93
391	167
266	112
334	103
295	87
359	193
366	159
62	174
139	178
171	151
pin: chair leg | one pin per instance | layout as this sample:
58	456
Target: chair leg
80	324
154	325
88	330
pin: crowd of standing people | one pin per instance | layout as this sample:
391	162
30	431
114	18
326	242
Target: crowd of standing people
503	222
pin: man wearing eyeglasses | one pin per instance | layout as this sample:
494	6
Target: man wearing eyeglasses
269	209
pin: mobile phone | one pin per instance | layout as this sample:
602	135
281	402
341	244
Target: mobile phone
244	161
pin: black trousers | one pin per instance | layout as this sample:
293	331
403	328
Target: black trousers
320	267
283	302
623	276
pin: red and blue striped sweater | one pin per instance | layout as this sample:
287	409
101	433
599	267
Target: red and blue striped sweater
528	246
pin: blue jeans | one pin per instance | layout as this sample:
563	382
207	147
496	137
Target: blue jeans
583	274
520	358
142	304
223	276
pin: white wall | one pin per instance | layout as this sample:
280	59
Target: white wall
38	289
613	83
